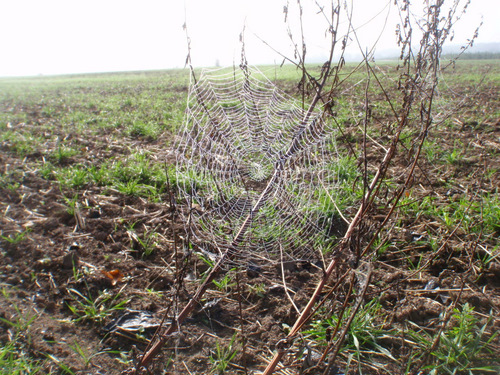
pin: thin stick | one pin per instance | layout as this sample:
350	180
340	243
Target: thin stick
228	254
284	282
339	343
304	317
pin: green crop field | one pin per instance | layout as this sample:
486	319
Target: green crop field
89	232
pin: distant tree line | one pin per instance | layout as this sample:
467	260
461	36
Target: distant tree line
474	56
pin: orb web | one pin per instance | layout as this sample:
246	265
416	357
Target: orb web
255	168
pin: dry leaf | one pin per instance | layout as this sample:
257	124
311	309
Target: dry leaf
114	275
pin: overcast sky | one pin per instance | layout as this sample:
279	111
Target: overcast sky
73	36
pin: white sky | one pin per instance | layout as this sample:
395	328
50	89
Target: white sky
73	36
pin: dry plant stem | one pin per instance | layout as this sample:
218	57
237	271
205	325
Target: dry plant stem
306	313
195	299
344	244
339	321
302	318
341	340
243	334
407	181
175	325
284	283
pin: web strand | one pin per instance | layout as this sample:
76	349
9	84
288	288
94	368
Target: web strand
250	156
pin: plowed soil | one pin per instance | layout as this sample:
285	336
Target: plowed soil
89	248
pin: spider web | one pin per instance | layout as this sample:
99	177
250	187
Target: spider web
255	168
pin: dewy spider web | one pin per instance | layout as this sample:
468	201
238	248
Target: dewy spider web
250	156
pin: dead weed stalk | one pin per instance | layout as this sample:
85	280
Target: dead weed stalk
411	107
